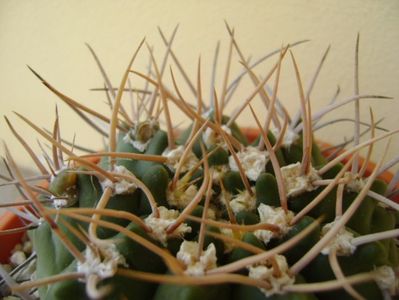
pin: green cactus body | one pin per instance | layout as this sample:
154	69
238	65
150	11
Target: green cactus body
239	253
180	292
121	287
267	190
156	179
247	218
279	152
205	218
304	245
241	292
364	259
232	182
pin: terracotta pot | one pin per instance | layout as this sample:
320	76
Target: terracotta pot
9	221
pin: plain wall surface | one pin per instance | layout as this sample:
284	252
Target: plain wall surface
50	35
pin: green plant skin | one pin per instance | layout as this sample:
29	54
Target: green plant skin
137	256
267	190
384	220
89	190
53	256
219	157
183	137
198	176
301	248
362	218
325	208
232	182
331	173
68	289
129	203
371	254
242	292
121	287
294	152
393	253
318	160
184	292
247	218
62	182
195	226
90	193
269	166
235	132
121	147
239	253
174	244
278	152
132	289
396	214
219	245
156	178
360	221
364	259
156	146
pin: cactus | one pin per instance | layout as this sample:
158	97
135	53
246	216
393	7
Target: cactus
205	213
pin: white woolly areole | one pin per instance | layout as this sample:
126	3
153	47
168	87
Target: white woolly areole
151	125
252	160
218	172
140	145
290	136
295	183
228	247
103	263
174	156
159	225
354	182
181	197
211	138
136	144
342	242
122	186
59	202
210	213
275	216
265	272
197	266
243	201
386	279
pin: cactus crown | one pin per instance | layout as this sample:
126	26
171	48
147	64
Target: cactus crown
206	212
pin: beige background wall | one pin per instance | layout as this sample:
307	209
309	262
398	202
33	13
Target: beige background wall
50	37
